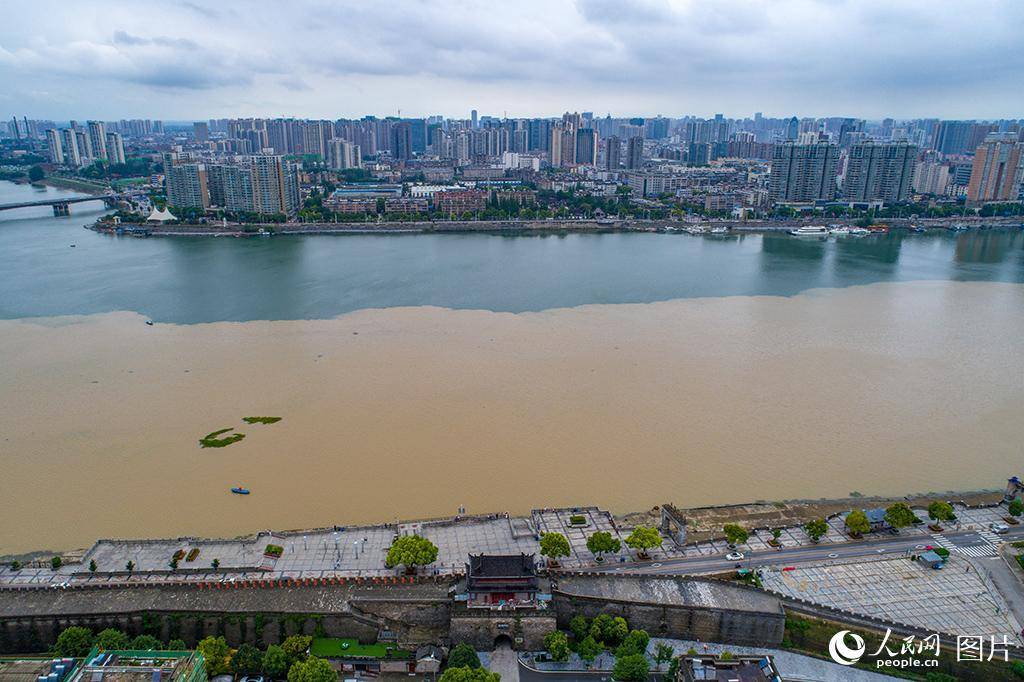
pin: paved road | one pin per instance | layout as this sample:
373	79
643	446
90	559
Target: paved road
892	544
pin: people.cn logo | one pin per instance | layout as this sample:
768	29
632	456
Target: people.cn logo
843	654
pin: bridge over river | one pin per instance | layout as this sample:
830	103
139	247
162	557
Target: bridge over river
62	206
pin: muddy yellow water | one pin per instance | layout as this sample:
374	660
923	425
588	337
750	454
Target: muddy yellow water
407	413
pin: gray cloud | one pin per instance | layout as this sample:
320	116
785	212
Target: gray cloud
331	58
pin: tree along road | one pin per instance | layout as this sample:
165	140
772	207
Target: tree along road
894	544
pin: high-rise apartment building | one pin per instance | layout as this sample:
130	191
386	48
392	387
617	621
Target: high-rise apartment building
931	177
56	148
187	186
115	148
342	154
84	144
635	152
879	172
201	131
803	172
70	144
98	139
586	147
954	137
275	185
996	173
401	141
612	153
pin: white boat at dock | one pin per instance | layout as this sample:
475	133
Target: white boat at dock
810	231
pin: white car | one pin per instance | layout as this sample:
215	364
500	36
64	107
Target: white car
734	556
998	527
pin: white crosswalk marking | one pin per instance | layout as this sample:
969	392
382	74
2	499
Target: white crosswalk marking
943	541
977	550
990	537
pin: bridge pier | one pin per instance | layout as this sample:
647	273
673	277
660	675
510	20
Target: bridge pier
61	209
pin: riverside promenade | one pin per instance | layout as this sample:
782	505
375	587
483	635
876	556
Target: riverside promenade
358	552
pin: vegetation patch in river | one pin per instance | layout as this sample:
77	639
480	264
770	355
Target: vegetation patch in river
213	440
261	420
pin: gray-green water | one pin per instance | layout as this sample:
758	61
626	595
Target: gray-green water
190	280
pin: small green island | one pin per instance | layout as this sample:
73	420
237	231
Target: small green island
213	440
261	420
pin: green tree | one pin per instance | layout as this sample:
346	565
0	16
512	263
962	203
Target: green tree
35	174
857	522
557	645
312	669
603	542
215	564
247	660
634	643
275	661
1016	507
941	511
463	656
608	630
816	529
111	639
130	566
644	538
553	546
579	626
217	655
735	534
146	643
73	642
663	653
589	649
56	562
411	551
467	675
177	645
92	565
900	515
631	669
15	565
297	647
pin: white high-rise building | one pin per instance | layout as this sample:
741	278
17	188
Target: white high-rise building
342	154
115	148
56	148
70	139
98	139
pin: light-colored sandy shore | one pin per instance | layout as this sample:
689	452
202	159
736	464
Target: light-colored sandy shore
408	413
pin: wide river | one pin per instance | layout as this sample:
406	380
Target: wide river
418	373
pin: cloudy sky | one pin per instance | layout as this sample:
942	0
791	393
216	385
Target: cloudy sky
195	59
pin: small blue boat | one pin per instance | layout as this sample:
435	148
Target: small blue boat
240	491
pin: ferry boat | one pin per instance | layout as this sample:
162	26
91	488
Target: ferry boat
810	231
719	230
859	231
957	227
839	230
240	491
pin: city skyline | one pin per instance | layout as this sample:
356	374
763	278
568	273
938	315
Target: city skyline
192	61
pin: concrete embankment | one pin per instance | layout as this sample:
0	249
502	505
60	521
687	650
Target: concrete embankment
533	226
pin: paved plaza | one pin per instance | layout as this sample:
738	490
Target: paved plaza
359	552
956	599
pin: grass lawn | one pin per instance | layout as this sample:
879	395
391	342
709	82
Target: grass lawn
333	647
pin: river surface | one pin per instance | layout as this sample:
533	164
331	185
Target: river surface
418	373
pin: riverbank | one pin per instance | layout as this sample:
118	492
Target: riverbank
526	226
412	412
